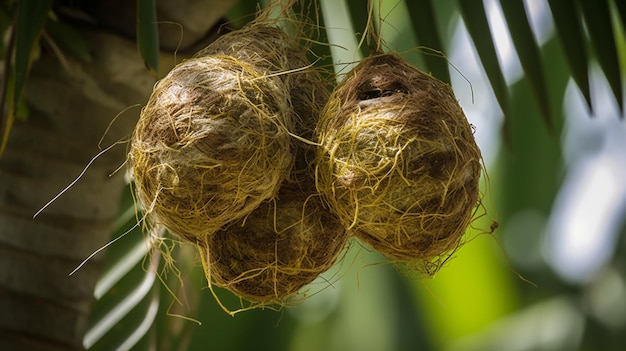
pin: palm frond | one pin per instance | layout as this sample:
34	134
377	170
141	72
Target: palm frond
127	293
599	24
475	18
569	30
528	53
29	22
426	28
148	33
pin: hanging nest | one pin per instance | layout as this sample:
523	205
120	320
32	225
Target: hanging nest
212	143
218	138
279	248
269	256
398	161
217	135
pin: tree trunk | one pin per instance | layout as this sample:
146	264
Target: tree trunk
41	307
72	105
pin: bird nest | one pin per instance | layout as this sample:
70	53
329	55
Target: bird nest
398	162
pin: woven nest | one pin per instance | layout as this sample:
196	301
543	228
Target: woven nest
398	161
280	247
211	144
283	245
221	134
271	50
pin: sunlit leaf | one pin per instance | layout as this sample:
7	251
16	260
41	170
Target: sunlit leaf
598	19
488	293
359	17
426	30
127	290
148	33
340	33
568	27
128	314
532	163
528	52
621	10
475	18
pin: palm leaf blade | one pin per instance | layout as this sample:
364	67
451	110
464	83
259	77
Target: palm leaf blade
128	289
424	24
31	17
148	34
475	18
621	10
358	19
568	28
528	52
598	19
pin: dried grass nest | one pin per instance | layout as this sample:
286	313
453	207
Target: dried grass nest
288	241
271	50
216	137
211	144
220	158
398	162
279	248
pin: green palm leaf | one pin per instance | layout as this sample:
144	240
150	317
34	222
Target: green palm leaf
475	19
29	22
426	29
528	52
599	24
148	34
128	290
569	29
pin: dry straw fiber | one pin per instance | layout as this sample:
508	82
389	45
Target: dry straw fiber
398	161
